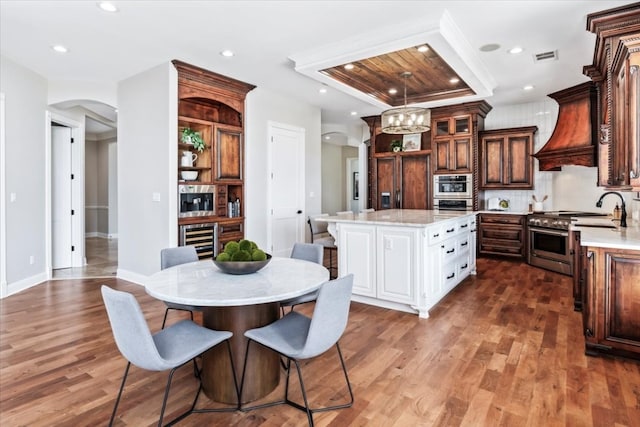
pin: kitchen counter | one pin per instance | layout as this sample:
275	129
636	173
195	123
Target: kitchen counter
404	259
405	217
508	212
593	233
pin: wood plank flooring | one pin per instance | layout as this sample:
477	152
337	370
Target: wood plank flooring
503	349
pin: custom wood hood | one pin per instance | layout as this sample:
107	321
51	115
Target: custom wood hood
574	138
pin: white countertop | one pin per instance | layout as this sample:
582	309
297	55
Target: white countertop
507	212
622	238
201	283
405	217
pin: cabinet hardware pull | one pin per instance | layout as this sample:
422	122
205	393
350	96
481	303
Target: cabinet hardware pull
464	266
464	225
588	332
464	244
450	251
451	276
451	230
437	235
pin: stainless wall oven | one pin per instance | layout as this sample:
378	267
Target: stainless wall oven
453	204
452	186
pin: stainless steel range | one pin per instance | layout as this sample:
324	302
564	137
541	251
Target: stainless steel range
550	245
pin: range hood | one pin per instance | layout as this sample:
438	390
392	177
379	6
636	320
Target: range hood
573	141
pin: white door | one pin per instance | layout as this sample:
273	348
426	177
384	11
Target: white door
61	196
287	188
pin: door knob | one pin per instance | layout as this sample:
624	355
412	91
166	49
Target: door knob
299	212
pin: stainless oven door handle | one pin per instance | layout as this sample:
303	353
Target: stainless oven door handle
546	231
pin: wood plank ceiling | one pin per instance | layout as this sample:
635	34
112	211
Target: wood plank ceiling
432	78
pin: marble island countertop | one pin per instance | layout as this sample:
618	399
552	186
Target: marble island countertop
606	233
404	217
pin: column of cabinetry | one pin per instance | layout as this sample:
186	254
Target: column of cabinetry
454	140
506	160
616	71
501	234
610	296
213	106
398	180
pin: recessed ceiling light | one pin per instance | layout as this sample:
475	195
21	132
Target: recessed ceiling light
227	53
489	47
323	90
515	50
454	80
354	113
349	67
107	7
542	113
327	137
423	48
59	48
528	87
393	91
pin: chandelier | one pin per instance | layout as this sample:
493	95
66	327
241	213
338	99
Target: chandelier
404	120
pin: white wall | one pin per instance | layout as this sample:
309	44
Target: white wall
261	107
332	179
25	108
147	153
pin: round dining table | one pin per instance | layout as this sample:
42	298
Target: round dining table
237	303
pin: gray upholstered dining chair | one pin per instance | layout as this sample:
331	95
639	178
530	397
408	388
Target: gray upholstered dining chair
176	256
312	252
320	235
298	337
168	349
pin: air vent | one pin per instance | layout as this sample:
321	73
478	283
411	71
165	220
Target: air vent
545	56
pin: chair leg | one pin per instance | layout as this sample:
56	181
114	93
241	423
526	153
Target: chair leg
164	320
115	407
166	312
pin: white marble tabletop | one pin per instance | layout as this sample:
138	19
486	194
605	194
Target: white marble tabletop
202	283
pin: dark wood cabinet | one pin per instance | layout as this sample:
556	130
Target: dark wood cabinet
502	234
452	144
398	180
611	308
506	160
616	71
405	178
213	105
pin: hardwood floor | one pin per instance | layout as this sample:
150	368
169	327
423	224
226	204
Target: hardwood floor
502	349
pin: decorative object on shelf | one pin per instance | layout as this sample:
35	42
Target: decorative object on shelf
189	175
242	257
192	137
396	145
188	158
405	120
411	142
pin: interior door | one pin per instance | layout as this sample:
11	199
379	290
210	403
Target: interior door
61	196
287	188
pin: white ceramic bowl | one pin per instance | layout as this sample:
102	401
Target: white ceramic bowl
189	175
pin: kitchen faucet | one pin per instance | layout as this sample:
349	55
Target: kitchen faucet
623	216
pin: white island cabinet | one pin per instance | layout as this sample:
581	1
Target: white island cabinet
405	259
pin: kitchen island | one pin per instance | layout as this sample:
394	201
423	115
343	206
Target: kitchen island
405	259
608	287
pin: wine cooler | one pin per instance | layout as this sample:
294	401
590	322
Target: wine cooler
204	237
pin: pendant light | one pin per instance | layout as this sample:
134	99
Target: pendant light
405	120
